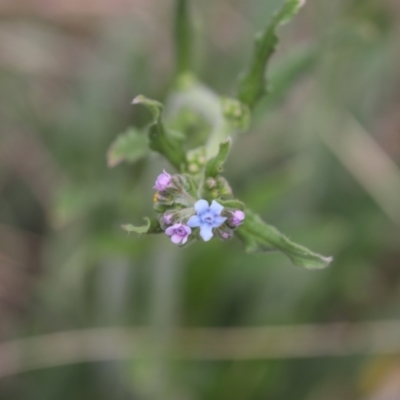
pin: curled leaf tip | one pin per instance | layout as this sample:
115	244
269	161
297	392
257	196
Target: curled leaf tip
138	99
150	226
127	227
328	260
228	140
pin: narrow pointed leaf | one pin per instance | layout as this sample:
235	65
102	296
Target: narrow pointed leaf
130	146
259	236
253	85
160	139
232	203
215	165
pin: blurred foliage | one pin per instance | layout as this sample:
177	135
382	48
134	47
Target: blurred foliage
67	82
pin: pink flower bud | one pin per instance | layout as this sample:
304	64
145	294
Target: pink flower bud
237	217
167	219
163	181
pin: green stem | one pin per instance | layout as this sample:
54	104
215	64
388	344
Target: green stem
183	37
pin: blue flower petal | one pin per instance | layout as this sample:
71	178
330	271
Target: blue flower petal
218	221
194	221
201	206
216	208
206	232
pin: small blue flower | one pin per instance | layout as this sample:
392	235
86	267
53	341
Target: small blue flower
207	218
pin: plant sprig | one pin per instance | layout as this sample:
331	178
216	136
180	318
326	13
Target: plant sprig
197	202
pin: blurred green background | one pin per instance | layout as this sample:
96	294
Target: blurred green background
321	162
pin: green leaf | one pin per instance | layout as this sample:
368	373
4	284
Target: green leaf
232	203
160	139
130	146
253	85
259	236
151	226
215	164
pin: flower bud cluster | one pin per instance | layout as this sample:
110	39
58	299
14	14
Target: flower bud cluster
183	216
173	192
196	160
217	187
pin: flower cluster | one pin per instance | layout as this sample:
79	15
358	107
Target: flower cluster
181	213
